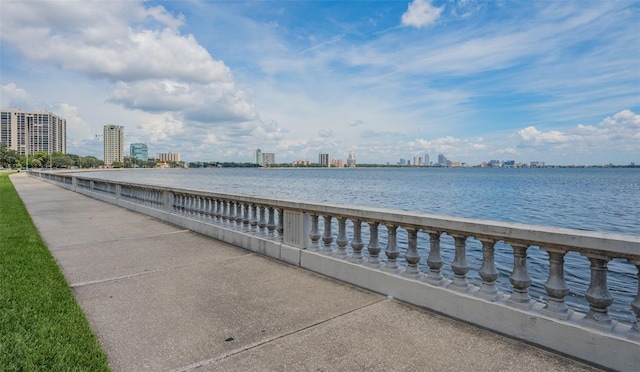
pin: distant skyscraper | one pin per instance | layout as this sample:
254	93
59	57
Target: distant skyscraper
324	159
139	151
442	160
31	131
426	160
268	159
113	144
257	156
351	160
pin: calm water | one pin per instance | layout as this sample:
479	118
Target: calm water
586	199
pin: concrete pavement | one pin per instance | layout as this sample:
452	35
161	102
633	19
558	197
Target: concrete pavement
161	298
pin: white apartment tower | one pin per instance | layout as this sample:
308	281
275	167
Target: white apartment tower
174	157
30	131
257	156
113	144
324	159
268	159
351	160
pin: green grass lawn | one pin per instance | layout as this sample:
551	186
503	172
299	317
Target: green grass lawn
42	328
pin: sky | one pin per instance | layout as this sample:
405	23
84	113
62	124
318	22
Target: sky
552	81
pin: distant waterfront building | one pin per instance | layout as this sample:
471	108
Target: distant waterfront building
442	160
426	160
32	131
324	159
168	157
402	162
257	156
139	151
268	159
337	163
113	144
351	160
300	162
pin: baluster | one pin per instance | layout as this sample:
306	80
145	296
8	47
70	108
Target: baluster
211	209
520	279
202	202
183	204
488	271
434	260
262	223
392	252
225	211
412	256
314	235
254	218
556	287
342	240
598	295
281	224
327	237
196	206
271	225
232	213
246	221
356	243
239	208
374	247
175	203
635	305
459	265
189	204
216	211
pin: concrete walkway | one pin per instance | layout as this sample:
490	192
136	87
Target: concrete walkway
165	299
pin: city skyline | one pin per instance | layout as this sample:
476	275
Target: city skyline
555	82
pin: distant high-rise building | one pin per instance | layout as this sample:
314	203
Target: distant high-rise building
442	160
113	144
337	163
168	157
426	160
268	159
257	156
31	131
139	151
351	160
416	161
324	159
402	162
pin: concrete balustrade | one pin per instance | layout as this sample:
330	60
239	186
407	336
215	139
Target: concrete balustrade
303	234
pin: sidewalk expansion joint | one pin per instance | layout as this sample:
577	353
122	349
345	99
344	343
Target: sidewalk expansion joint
78	246
98	281
206	362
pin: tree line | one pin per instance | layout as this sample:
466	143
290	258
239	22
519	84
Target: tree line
10	158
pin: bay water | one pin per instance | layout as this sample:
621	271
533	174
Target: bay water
594	199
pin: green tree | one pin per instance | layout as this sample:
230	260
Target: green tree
8	157
36	163
42	157
62	161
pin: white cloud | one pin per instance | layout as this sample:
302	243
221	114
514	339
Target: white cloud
448	145
620	132
152	65
11	96
421	13
213	102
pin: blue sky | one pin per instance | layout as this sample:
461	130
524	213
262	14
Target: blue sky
476	80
